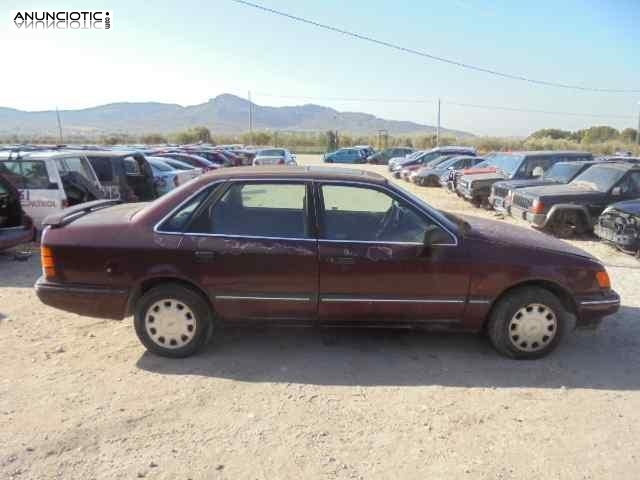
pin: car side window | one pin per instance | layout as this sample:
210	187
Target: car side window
131	166
276	210
27	174
179	220
630	185
103	168
355	213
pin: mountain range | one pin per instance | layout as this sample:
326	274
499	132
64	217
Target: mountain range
223	114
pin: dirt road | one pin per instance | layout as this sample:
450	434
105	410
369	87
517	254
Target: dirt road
80	399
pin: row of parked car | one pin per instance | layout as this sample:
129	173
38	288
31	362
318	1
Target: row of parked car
565	193
36	182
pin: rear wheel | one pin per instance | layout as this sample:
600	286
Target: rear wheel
172	320
527	323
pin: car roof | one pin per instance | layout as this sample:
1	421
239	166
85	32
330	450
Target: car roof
39	154
110	153
294	172
618	165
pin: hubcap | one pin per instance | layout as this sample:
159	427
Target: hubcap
170	323
533	327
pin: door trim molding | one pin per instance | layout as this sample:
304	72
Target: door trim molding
389	300
266	298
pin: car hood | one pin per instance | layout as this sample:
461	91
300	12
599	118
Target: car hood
477	171
488	176
568	190
632	207
511	184
509	235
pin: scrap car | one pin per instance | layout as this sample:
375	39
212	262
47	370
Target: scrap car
566	210
314	246
619	224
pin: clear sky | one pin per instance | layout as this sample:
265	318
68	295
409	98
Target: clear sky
188	51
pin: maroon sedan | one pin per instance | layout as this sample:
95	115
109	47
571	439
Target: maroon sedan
314	246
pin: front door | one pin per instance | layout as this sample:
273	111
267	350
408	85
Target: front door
374	266
255	251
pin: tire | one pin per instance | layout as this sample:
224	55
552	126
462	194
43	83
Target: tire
180	325
517	332
567	224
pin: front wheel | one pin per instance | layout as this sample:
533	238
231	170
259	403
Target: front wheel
172	320
527	323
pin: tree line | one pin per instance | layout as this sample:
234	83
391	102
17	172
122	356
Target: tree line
598	139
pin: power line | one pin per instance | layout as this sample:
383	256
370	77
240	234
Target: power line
456	104
431	56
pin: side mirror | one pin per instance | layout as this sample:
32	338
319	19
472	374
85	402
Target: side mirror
616	192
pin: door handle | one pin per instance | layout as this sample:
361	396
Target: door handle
342	260
203	256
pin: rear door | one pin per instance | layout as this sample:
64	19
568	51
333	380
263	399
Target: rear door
255	251
40	186
140	177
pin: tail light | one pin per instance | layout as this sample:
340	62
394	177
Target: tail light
281	161
537	206
48	262
602	277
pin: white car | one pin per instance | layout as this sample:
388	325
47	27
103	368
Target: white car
50	180
274	156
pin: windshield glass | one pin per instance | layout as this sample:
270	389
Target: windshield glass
562	172
272	153
599	177
508	163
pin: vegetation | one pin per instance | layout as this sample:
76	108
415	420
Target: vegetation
598	139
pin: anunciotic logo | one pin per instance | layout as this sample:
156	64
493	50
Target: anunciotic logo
62	20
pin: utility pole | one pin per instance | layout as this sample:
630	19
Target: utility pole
59	127
438	127
250	119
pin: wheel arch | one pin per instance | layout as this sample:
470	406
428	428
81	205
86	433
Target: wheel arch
149	283
563	294
561	208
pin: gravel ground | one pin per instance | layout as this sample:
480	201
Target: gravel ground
80	398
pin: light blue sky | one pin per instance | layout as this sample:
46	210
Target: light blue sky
188	51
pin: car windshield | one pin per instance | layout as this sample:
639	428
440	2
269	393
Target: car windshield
599	177
271	153
506	162
562	172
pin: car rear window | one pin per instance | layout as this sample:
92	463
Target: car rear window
27	174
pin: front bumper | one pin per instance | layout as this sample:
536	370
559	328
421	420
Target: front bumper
536	219
499	204
593	308
88	300
627	240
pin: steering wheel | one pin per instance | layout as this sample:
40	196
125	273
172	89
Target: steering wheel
391	218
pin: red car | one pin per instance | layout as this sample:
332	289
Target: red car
314	246
15	226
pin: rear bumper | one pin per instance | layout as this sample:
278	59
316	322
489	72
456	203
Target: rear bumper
592	309
10	237
87	300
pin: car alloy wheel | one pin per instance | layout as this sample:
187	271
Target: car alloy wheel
532	327
170	323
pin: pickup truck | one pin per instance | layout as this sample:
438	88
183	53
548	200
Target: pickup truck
566	210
